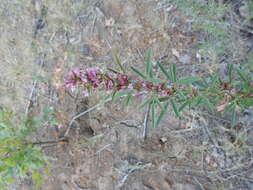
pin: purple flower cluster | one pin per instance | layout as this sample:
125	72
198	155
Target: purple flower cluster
94	79
90	80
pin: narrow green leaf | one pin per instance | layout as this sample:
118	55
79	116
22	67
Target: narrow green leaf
164	99
201	83
158	103
241	75
207	103
118	62
146	103
230	70
139	73
113	70
181	108
161	115
188	80
149	71
195	101
164	70
214	79
181	94
174	106
113	94
173	72
128	99
228	108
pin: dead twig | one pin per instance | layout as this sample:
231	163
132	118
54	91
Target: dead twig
139	166
199	184
77	116
145	123
105	147
34	87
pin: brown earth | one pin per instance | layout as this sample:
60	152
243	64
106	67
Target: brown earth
105	148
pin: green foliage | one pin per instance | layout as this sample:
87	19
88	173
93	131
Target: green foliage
227	96
19	157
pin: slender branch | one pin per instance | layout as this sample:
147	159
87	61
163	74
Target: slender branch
49	142
81	114
145	123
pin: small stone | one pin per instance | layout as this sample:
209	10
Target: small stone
163	139
109	22
175	53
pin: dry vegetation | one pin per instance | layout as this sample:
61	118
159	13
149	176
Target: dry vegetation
42	40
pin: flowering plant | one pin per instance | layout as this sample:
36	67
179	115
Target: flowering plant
224	95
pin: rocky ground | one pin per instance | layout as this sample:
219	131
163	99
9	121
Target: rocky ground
43	40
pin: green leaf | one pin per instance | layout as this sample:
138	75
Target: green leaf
113	70
174	106
241	75
201	83
48	111
164	70
138	73
188	80
246	102
9	180
128	99
118	62
195	101
181	108
173	72
158	103
161	115
228	108
207	103
37	177
146	103
182	94
214	79
149	71
164	99
230	70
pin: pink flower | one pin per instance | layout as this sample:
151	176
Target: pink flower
85	93
130	86
232	91
164	93
122	79
109	84
148	85
159	87
76	72
194	87
71	81
91	74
